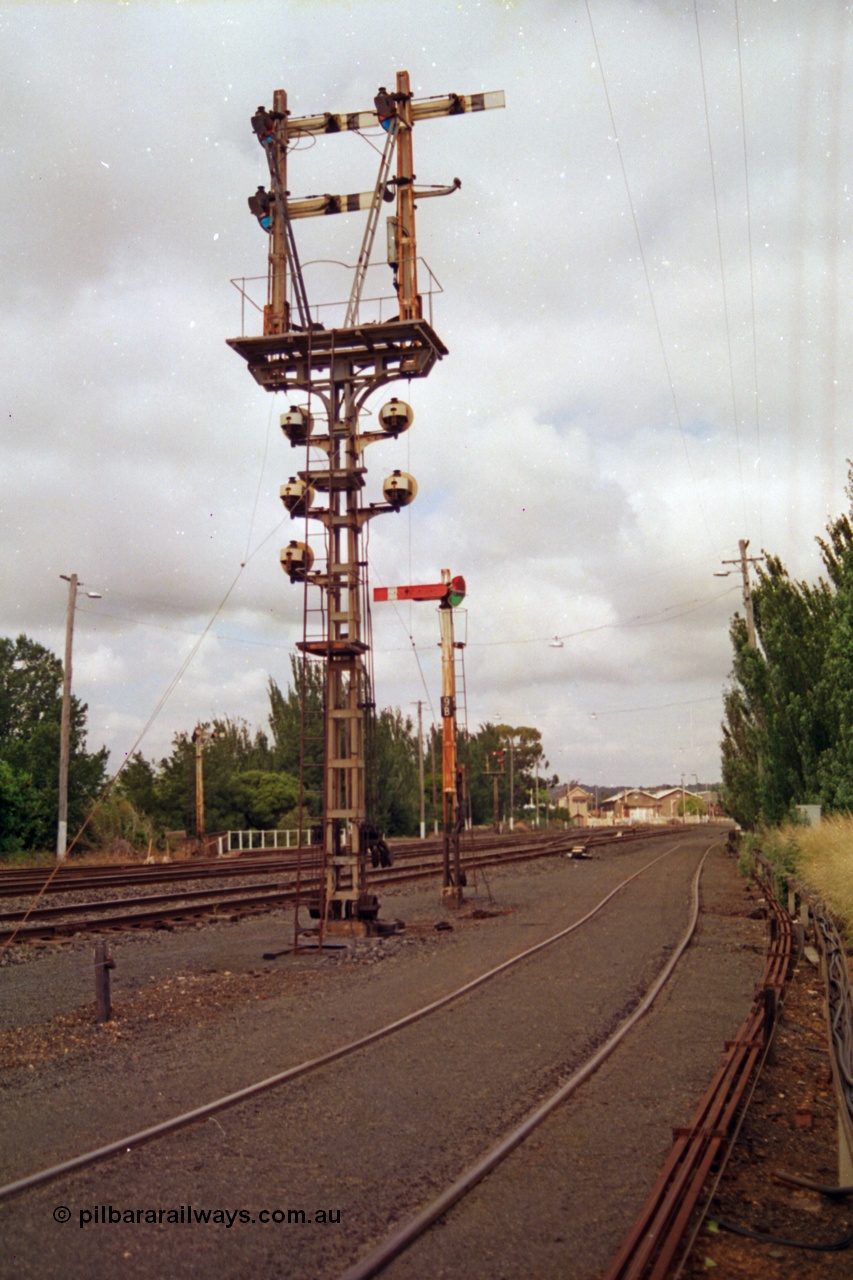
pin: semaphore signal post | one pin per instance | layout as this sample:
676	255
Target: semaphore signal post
330	373
450	593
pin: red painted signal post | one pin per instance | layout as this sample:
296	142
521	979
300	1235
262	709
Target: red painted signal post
450	593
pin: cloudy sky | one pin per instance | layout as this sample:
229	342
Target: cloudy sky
643	304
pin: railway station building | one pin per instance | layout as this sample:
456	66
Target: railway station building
632	806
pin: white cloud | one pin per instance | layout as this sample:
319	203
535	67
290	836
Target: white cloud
587	452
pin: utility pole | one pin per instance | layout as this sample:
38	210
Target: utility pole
201	736
511	786
65	719
495	768
432	734
421	769
744	561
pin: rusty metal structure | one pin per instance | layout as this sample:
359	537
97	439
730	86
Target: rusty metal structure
450	593
334	371
655	1247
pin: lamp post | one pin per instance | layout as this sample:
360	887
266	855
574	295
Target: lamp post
511	784
508	738
65	720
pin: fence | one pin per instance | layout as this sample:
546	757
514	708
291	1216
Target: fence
244	841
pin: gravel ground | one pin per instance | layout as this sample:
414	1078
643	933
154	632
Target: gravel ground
199	1013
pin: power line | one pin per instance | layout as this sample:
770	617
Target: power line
649	289
720	255
756	397
641	620
658	706
414	646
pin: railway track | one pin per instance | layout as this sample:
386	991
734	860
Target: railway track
17	882
154	910
391	1054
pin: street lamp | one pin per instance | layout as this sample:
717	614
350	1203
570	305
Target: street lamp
65	722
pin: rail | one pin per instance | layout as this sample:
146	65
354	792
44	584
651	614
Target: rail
127	1143
804	903
658	1242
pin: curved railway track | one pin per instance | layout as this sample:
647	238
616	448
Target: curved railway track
521	970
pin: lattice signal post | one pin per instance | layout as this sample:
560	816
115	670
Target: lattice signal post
450	593
335	371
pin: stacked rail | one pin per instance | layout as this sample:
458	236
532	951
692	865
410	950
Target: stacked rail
839	1014
654	1243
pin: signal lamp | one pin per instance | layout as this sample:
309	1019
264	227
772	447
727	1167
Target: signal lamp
297	424
296	560
400	489
456	591
396	416
297	496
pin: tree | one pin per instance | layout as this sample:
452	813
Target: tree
788	732
286	721
262	800
395	798
30	713
13	808
481	760
168	793
138	783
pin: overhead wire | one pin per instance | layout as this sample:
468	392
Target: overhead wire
832	234
414	648
647	274
756	399
172	685
727	322
163	699
649	619
657	706
260	481
797	255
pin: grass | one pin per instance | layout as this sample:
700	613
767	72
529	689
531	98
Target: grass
820	856
826	864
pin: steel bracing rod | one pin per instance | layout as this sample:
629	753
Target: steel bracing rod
289	239
370	229
232	1099
296	275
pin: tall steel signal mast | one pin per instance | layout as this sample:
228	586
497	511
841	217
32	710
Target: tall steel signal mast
335	371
